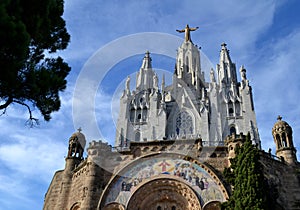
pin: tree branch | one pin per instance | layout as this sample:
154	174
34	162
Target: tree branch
7	103
32	120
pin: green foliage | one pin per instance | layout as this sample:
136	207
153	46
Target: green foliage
30	30
246	176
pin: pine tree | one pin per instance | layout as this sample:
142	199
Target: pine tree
32	75
246	176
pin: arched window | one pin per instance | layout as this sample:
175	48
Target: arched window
122	137
187	64
159	208
232	130
173	208
237	108
277	137
138	115
284	144
230	109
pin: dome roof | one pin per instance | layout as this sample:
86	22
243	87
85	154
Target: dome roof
80	137
281	126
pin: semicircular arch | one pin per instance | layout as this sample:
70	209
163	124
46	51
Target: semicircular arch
199	176
164	191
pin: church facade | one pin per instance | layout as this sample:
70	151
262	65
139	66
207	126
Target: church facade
173	142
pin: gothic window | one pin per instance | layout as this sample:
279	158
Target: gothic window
159	208
138	115
195	79
122	137
230	109
173	208
232	130
184	123
187	64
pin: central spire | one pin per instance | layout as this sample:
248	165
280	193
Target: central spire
188	68
147	61
187	33
146	76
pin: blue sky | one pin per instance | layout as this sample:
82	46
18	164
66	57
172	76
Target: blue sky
262	35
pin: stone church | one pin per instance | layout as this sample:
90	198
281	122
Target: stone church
173	142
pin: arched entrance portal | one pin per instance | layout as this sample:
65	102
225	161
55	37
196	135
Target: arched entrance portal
164	194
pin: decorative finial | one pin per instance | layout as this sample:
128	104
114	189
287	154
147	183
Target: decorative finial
147	54
279	118
243	72
224	45
79	129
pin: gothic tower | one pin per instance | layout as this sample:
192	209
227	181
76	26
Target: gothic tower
186	98
283	136
142	114
231	101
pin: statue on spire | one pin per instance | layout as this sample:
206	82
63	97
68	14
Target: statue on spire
187	31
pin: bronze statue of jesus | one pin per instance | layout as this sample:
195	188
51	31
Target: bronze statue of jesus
187	31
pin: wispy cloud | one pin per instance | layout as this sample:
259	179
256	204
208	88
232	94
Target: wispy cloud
276	85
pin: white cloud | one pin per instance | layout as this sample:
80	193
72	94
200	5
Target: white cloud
30	156
276	85
33	156
234	22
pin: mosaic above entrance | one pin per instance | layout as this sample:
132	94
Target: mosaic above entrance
196	175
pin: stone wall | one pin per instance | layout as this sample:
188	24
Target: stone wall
284	179
89	179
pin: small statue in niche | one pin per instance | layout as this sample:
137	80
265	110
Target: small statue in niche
212	76
127	85
155	81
